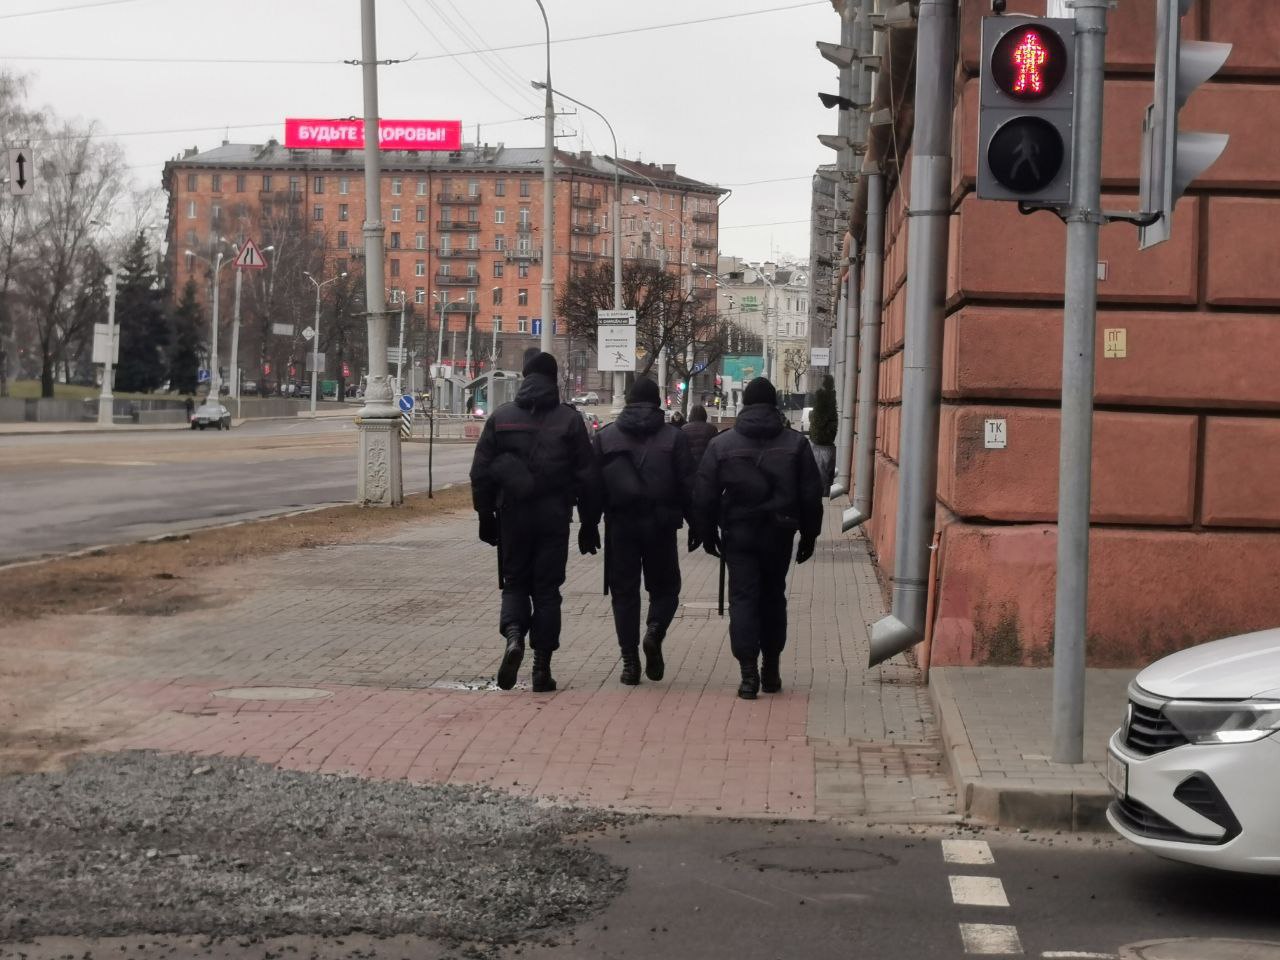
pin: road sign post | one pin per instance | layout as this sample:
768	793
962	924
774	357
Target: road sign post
22	165
616	341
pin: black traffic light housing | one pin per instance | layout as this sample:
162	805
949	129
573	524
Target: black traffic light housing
1026	96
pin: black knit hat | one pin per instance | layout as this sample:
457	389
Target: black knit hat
760	390
644	390
697	413
535	361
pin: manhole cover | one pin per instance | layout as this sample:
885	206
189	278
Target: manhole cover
272	693
811	858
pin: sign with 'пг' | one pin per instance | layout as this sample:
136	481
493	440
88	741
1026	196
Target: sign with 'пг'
616	341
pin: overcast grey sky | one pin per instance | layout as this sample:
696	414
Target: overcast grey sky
732	101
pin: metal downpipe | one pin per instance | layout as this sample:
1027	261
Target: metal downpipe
848	387
869	378
922	367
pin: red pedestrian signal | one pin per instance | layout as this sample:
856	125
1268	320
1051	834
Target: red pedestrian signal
266	369
1028	63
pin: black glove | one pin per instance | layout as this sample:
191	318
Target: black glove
695	541
588	539
805	550
489	528
712	543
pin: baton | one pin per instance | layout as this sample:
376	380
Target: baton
606	558
501	582
722	581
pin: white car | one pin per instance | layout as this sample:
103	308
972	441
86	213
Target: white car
585	399
1196	766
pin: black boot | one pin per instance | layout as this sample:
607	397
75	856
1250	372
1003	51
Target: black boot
653	665
750	685
543	682
630	667
511	658
770	675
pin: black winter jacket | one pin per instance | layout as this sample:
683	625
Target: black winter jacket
645	467
759	473
534	454
699	434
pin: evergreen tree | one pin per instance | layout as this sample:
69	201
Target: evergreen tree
143	327
185	343
823	421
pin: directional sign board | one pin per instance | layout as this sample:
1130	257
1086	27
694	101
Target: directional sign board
819	356
616	341
282	329
317	359
406	403
397	355
698	368
104	343
250	257
22	166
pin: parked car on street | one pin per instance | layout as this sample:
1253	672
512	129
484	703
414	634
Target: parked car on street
211	415
1195	767
585	399
593	423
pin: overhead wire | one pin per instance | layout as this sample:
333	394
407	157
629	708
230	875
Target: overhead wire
68	9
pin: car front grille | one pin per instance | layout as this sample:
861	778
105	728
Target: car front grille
1145	822
1150	731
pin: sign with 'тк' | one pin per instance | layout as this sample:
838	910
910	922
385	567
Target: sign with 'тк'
392	134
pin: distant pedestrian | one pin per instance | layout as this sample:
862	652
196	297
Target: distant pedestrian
757	487
532	465
648	488
190	404
698	432
677	419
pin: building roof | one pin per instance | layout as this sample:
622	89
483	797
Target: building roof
484	158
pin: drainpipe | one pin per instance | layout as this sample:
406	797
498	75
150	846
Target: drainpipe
848	384
922	366
869	379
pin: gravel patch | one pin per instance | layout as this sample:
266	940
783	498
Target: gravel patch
143	842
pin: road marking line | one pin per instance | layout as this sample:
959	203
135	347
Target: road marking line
978	891
967	851
111	463
1076	955
990	938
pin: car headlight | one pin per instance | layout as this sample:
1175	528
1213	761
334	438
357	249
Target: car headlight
1241	721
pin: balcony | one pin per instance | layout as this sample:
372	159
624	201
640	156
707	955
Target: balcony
459	308
457	280
456	198
519	255
584	229
467	225
587	203
581	255
454	253
701	244
705	217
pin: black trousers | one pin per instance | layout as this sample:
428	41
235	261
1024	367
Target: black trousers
648	550
535	549
757	558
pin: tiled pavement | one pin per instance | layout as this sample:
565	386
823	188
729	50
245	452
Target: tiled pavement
399	638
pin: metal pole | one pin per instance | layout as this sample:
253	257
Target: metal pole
315	349
869	377
400	352
106	403
922	361
440	335
1076	444
215	375
235	343
548	202
471	325
848	385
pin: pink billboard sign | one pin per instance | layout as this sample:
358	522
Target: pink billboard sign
392	134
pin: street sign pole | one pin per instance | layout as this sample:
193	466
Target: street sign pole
400	352
1083	217
315	354
235	343
106	403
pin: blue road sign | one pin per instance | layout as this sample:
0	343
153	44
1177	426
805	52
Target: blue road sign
537	327
406	403
699	367
202	376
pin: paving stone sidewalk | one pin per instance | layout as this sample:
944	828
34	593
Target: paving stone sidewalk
383	654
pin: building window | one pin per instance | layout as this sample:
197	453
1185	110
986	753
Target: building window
317	184
343	212
500	188
344	185
471	299
395	240
522	271
419	241
266	183
341	264
419	268
499	242
524	188
317	212
497	269
499	215
241	182
395	268
422	188
446	216
215	214
497	324
473	215
671	203
215	182
522	324
397	186
446	245
395	214
471	270
419	295
473	188
193	182
191	209
524	217
473	241
445	269
522	296
420	213
497	296
295	186
342	239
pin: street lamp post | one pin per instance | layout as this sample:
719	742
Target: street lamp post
235	336
215	375
548	201
106	403
315	343
768	357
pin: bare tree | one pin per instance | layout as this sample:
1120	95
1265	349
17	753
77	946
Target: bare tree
17	127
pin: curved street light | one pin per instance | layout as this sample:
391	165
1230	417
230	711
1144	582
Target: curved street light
315	343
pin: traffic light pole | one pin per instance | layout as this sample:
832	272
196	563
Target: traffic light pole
1083	218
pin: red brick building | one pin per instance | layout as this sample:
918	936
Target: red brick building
463	232
1185	543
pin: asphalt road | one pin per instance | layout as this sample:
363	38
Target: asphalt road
64	492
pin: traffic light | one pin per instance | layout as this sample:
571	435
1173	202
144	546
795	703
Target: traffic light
1024	109
266	369
1172	159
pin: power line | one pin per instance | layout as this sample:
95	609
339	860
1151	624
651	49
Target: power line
772	223
752	183
78	6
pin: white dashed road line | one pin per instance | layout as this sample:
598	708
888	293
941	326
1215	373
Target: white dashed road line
990	938
1076	955
978	891
967	851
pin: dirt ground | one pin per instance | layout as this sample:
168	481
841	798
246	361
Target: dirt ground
161	578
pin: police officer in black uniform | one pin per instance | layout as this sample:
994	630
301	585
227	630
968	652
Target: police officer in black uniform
648	482
757	487
532	465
